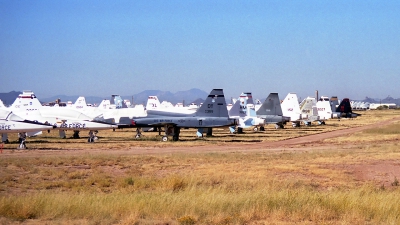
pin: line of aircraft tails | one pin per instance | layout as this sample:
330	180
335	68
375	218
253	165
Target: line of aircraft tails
27	116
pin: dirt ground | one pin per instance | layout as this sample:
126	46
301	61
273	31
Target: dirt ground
381	171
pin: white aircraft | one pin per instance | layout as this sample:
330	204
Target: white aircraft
324	109
244	111
291	108
2	106
11	123
108	112
28	107
153	107
309	112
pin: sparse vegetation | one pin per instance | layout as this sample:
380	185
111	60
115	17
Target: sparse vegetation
382	107
311	186
395	182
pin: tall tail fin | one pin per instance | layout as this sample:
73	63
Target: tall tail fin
307	105
214	105
251	108
271	106
118	102
290	107
80	103
105	104
344	106
334	103
26	101
153	103
240	107
324	110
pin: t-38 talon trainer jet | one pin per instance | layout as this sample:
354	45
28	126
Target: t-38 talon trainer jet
271	112
11	123
28	107
213	113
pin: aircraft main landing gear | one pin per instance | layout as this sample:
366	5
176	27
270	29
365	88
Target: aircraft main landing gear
173	131
164	138
138	133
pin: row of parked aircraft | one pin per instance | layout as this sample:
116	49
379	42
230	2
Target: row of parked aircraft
27	114
358	105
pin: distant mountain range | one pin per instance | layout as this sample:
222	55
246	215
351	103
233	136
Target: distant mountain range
9	98
388	99
186	97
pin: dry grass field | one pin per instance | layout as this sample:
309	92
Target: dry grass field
251	178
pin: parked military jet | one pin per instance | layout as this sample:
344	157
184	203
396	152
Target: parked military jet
271	112
213	113
28	107
117	112
291	108
11	123
309	112
155	108
345	110
243	110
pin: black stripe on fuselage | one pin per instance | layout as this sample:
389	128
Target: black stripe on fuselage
213	96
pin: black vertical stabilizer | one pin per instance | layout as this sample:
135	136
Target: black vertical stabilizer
214	105
271	106
345	106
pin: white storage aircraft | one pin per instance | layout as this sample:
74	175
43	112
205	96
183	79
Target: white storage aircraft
154	107
11	123
309	112
28	107
117	113
291	108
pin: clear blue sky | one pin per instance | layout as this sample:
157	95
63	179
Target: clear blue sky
73	47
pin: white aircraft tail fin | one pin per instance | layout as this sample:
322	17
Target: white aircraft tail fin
80	103
26	101
240	107
214	105
306	106
153	102
250	107
324	110
290	107
105	104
